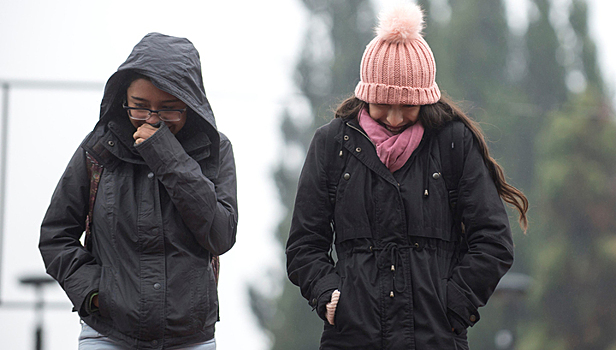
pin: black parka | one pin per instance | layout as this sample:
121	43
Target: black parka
162	209
404	276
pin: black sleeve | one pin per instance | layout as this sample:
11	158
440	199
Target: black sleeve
309	265
490	244
64	256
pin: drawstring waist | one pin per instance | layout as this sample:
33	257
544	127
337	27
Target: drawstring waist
390	257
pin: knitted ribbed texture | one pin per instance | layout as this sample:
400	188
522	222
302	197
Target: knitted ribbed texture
396	69
331	307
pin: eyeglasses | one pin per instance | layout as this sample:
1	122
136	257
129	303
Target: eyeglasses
166	115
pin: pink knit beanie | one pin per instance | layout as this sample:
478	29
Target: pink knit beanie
398	66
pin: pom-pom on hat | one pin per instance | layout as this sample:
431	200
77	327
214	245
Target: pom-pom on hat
398	66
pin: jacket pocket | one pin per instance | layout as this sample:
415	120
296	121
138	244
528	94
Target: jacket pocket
357	313
338	315
461	340
204	298
199	297
105	293
117	302
442	293
211	316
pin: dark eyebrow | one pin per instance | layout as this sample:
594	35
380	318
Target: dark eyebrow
138	98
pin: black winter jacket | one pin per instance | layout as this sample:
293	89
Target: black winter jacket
405	277
163	207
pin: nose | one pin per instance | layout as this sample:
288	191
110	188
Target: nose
395	117
153	118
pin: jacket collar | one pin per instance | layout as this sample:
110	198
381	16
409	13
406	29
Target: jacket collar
116	140
355	140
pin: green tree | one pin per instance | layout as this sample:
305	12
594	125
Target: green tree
545	79
327	72
573	270
586	49
576	195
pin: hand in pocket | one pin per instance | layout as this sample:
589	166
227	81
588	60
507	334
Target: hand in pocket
331	307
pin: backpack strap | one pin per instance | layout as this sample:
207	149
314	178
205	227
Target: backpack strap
95	169
451	146
334	159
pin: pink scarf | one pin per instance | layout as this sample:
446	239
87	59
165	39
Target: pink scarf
393	149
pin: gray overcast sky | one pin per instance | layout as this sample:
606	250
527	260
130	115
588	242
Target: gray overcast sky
248	51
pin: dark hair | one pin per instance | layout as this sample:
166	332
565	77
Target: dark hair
350	108
434	117
127	79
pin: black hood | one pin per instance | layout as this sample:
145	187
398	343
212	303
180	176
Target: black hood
173	65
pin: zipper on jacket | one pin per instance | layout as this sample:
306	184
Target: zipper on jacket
361	132
373	144
408	239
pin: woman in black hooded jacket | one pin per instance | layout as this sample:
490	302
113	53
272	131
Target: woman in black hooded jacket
165	205
416	257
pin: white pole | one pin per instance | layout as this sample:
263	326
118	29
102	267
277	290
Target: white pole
3	153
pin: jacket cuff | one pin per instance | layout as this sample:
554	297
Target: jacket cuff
88	308
463	310
81	284
325	285
159	149
322	302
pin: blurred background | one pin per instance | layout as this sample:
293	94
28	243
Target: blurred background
539	75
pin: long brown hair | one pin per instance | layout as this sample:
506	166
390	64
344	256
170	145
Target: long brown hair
434	117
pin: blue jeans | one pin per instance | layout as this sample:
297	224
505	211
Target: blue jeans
89	339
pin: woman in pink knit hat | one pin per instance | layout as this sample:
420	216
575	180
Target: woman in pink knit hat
403	184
